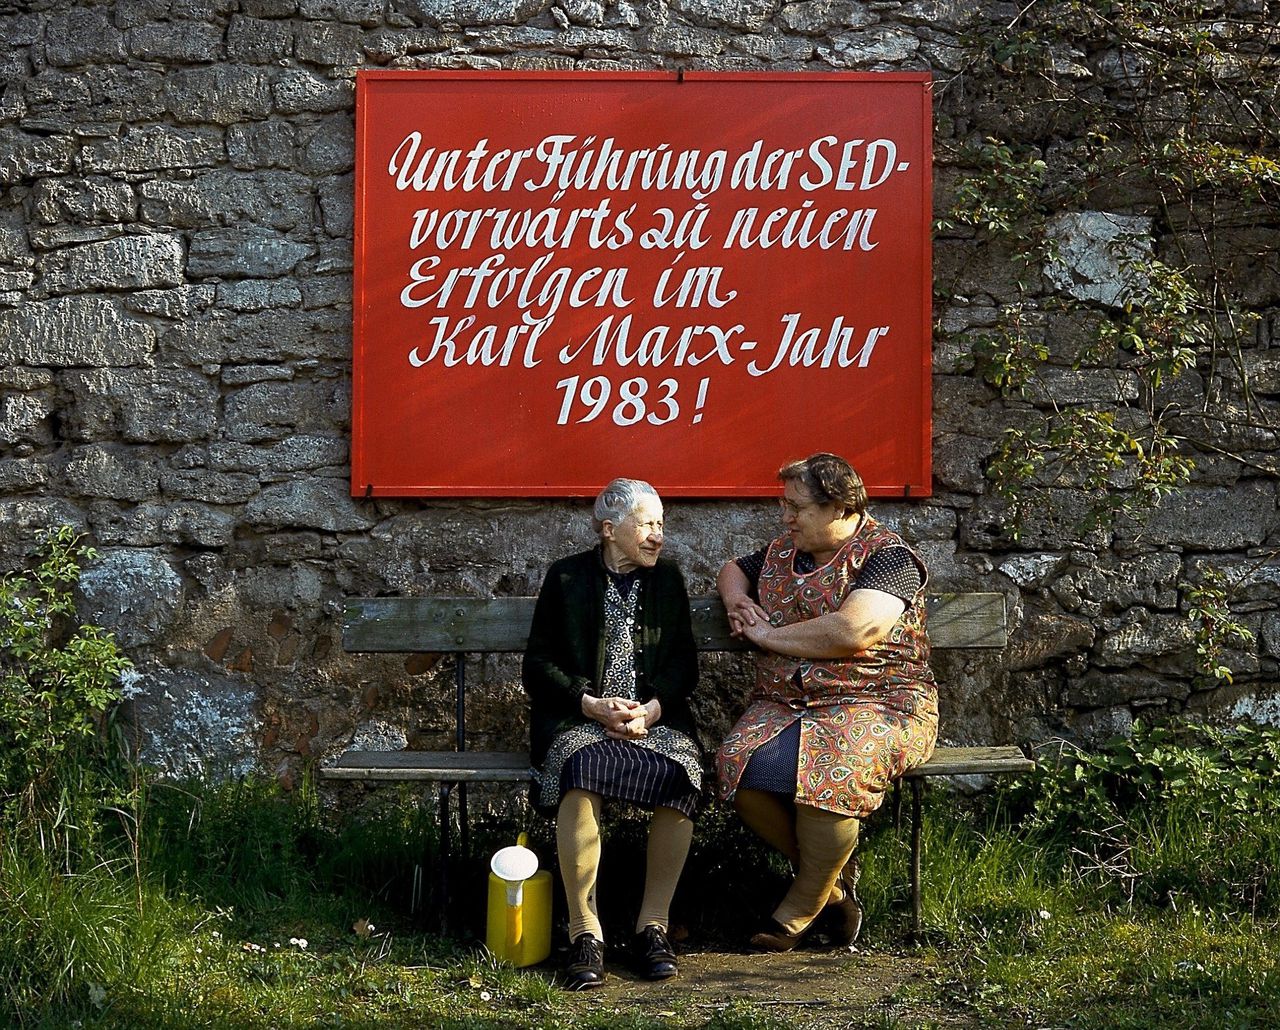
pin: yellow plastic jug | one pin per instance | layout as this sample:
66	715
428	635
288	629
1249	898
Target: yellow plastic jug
519	915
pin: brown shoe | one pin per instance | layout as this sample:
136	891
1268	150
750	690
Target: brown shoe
774	938
846	914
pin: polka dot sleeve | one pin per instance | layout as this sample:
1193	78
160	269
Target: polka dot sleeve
892	570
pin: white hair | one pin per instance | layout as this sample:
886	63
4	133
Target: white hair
618	500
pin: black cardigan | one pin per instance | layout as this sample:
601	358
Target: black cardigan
565	656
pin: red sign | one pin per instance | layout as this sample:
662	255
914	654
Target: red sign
690	279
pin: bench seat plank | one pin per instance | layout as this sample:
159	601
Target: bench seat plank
449	766
513	766
501	624
965	761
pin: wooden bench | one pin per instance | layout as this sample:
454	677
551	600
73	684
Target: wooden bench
462	626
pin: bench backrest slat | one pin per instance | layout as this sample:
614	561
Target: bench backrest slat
458	624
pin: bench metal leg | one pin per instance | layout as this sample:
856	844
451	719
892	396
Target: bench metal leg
917	788
897	806
442	871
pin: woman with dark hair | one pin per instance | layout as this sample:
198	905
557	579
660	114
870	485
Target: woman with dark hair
609	669
844	700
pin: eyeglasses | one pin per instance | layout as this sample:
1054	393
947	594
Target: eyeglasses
793	509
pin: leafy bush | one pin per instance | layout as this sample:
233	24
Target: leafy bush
57	682
1178	811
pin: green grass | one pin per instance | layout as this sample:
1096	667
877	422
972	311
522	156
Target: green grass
1123	908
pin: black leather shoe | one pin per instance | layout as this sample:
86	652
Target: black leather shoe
655	956
585	968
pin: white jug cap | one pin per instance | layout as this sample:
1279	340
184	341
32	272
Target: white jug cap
514	864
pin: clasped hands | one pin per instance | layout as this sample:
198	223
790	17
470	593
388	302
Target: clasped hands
622	718
747	619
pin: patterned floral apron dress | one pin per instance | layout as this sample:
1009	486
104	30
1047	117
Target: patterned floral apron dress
864	720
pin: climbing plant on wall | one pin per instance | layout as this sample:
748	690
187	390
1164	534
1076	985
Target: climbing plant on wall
1162	122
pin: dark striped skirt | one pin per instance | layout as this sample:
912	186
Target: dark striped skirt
625	772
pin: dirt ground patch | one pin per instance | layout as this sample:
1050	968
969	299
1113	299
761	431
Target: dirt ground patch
809	989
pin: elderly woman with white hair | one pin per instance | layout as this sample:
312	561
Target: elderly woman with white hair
609	669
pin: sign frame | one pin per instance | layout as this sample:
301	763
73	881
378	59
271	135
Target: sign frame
913	479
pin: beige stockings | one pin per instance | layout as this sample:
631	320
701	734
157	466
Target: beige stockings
578	843
817	842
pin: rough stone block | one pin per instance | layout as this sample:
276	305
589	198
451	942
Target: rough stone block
124	263
299	453
154	148
122	474
124	94
330	148
328	45
82	36
257	41
296	92
355	12
818	17
337	206
71	331
743	15
141	405
1044	637
269	8
241	375
1103	724
1148	636
18	474
1063	386
221	94
442	13
195	724
245	252
257	146
23	417
1098	688
267	336
258	295
268	411
207	486
184	302
25	156
959	460
310	503
1093	248
1231	703
680	41
95	199
281	200
582	12
176	42
1216	519
773	48
1147	579
1253	579
135	594
876	46
1032	571
22	519
157	523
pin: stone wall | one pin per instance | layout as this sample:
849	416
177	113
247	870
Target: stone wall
175	329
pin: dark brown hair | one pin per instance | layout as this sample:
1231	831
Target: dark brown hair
828	478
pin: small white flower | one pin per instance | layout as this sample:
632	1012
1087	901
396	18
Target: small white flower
216	936
276	944
199	951
1044	914
485	995
372	928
